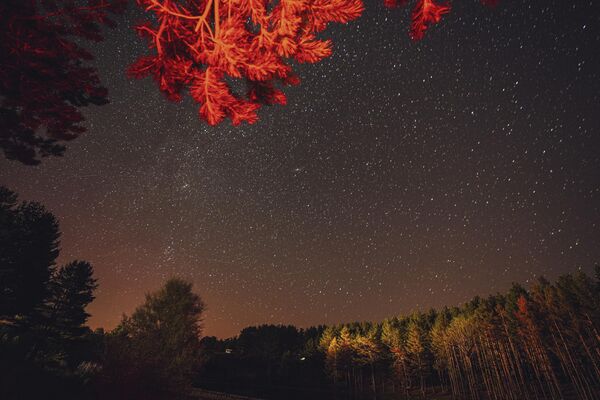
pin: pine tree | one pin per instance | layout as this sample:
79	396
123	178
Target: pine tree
439	348
417	351
42	312
367	352
29	240
72	290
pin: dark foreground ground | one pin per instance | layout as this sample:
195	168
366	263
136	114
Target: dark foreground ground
204	394
299	393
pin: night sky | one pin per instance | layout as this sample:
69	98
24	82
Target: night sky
400	175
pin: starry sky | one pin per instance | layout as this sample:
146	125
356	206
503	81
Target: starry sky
400	176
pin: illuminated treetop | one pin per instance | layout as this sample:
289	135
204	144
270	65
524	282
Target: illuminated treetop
206	45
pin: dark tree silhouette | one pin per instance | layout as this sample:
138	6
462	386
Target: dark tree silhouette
43	77
28	250
43	338
169	322
72	289
154	353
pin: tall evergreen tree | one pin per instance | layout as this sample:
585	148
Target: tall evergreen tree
72	290
42	311
417	351
29	246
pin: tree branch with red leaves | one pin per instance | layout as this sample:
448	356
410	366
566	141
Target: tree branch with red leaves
43	77
201	45
426	13
206	43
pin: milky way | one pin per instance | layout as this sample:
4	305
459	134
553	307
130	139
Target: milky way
400	176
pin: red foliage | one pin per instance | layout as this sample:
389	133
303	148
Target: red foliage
522	307
43	77
425	13
204	45
525	317
394	3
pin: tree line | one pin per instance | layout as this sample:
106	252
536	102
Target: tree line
537	343
540	343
